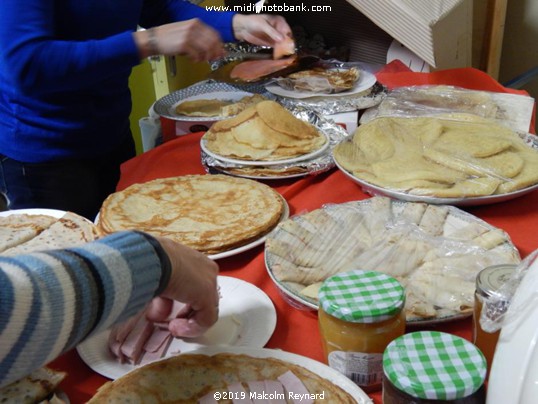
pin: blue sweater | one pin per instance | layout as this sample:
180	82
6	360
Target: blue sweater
64	69
50	301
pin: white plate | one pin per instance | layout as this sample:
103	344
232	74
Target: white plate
366	81
293	160
48	212
312	365
255	243
372	189
247	317
456	220
165	106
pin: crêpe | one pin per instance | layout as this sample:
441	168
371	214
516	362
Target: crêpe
211	213
24	233
212	107
264	132
440	157
188	378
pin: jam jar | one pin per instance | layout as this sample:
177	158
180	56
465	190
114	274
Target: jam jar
435	368
489	284
360	313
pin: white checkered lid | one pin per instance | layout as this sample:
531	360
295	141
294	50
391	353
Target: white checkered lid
362	296
434	365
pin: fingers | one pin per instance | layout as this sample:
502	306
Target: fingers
159	309
193	281
191	38
261	29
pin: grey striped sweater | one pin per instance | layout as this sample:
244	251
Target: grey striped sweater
50	301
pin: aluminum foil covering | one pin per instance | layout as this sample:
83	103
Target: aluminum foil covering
317	165
344	103
333	105
322	105
236	48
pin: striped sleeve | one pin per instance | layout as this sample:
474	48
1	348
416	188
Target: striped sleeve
50	301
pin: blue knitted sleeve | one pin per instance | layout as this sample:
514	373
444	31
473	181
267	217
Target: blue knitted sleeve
50	301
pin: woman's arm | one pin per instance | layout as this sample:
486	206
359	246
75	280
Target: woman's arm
50	301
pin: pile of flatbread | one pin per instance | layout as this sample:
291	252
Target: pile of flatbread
434	251
439	157
321	80
264	132
210	213
40	386
195	378
212	107
23	233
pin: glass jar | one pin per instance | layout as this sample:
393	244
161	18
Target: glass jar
433	367
360	313
488	284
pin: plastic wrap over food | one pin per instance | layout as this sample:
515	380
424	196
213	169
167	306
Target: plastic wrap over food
495	306
511	110
441	158
318	164
435	252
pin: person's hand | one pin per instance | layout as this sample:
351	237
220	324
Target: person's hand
191	38
261	29
193	281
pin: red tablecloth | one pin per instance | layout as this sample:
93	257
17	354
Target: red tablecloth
296	330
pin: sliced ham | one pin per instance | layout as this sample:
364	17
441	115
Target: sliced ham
258	388
133	345
292	384
253	70
157	340
208	399
152	356
275	387
238	391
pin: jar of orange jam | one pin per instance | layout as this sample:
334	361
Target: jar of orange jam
488	285
360	313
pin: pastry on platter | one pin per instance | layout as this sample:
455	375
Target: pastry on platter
210	213
434	251
264	132
22	233
440	157
195	378
212	107
321	80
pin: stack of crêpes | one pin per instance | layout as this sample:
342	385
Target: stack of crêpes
264	141
440	157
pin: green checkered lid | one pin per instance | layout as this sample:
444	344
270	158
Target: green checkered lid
362	296
434	365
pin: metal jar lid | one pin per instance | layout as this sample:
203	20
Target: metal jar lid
362	296
490	280
434	365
